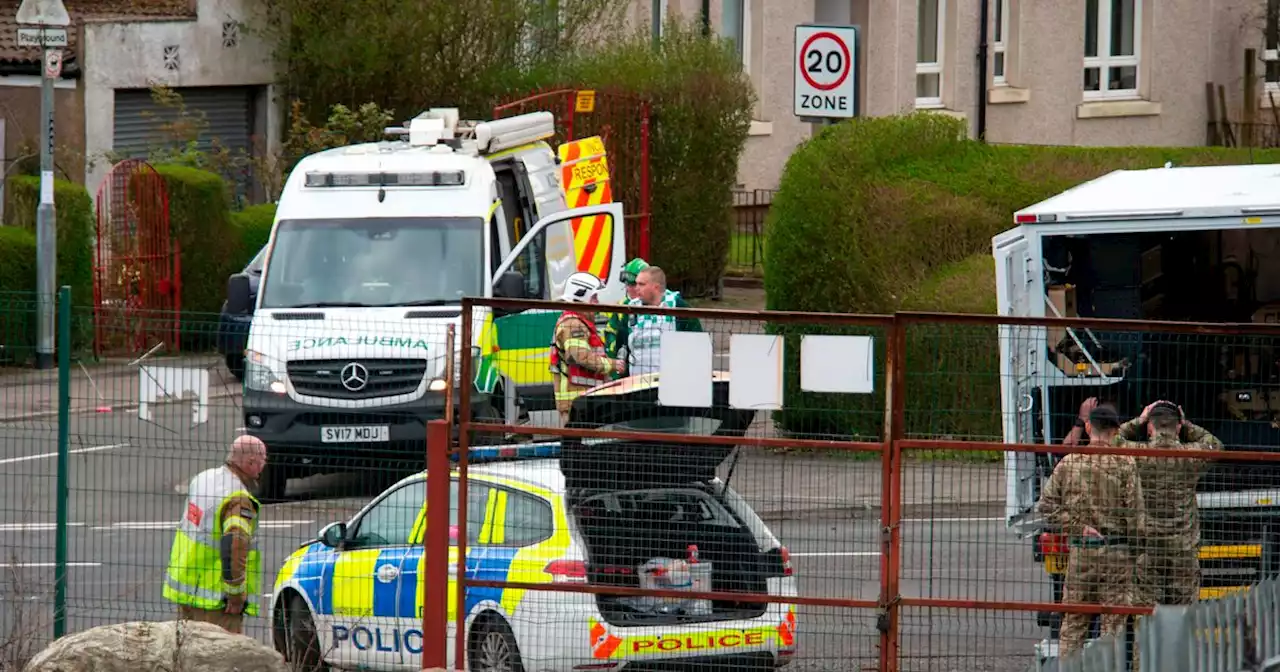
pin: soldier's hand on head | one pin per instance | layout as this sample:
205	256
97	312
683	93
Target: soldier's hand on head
1087	407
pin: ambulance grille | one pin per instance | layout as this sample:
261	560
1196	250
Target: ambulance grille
380	377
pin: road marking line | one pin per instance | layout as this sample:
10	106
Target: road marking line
33	527
74	451
836	554
168	525
951	520
20	565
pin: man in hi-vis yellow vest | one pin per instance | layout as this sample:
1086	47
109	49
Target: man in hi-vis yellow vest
215	567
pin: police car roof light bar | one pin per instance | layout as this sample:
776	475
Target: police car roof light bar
513	452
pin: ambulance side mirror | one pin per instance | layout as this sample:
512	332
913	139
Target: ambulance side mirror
333	534
239	301
510	285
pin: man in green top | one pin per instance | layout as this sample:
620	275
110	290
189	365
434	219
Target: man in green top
639	340
617	322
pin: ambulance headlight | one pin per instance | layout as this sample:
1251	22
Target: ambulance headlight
438	384
260	373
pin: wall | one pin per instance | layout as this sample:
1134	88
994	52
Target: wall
20	107
1184	43
131	55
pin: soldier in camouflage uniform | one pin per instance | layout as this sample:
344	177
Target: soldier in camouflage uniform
1097	501
1170	566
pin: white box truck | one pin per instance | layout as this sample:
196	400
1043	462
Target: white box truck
1188	244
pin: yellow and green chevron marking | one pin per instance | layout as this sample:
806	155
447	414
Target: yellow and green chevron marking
516	346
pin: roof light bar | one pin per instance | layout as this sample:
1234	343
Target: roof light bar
436	178
518	451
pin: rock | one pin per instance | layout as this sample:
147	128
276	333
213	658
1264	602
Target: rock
175	646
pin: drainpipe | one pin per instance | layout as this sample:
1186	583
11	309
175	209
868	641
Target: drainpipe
984	18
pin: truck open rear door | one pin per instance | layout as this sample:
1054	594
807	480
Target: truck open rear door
1021	359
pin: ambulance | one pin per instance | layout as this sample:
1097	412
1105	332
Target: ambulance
1186	244
577	512
372	249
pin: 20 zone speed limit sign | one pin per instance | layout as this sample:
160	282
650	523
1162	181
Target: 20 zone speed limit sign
826	80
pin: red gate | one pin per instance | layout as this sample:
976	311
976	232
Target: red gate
136	281
622	121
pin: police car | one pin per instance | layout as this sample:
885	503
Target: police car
572	511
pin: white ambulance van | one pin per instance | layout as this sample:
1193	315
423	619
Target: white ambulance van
373	247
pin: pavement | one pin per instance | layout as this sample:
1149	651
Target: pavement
128	477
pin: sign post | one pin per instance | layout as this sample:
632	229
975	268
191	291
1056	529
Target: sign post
826	72
43	24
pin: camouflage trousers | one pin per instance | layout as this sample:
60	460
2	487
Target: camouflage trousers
1095	576
1169	572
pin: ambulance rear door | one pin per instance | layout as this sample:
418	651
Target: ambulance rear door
599	242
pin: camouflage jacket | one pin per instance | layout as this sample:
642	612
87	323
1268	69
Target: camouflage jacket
1169	484
1100	491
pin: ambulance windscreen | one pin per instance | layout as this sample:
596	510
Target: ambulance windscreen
386	261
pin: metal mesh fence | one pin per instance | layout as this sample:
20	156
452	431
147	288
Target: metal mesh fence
839	492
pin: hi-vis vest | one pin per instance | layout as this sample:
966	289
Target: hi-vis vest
570	372
195	563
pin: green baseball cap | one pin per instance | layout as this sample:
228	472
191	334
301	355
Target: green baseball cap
632	270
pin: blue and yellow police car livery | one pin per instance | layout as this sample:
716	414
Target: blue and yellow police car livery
537	514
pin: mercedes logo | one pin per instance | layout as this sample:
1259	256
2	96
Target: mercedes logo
354	376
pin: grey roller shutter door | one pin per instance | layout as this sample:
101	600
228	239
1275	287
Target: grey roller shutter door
228	112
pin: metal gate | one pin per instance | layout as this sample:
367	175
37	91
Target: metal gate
622	121
136	282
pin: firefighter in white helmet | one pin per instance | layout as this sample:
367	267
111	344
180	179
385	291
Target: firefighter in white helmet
578	360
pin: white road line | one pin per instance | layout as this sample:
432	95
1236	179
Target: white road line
836	554
22	565
169	525
33	527
951	520
73	451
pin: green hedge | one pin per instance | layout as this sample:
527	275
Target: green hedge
75	225
701	105
200	222
17	296
253	230
869	210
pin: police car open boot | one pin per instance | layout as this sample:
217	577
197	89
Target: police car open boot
643	539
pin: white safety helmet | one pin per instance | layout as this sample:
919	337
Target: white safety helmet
581	287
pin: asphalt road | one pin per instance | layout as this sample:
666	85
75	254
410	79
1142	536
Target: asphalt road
128	476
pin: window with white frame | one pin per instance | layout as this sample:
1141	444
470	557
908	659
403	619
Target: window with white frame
1112	40
736	19
1000	43
1271	52
929	40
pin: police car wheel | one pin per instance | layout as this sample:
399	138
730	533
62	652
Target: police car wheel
302	645
493	647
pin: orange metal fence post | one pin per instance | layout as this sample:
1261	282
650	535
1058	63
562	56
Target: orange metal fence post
464	427
435	551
